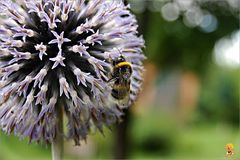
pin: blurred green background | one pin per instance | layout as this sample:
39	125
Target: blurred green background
189	107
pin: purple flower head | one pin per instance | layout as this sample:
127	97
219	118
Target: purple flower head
58	53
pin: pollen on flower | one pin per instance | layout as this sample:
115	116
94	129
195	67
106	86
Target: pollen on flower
59	53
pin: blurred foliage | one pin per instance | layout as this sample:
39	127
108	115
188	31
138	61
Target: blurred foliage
11	148
219	97
173	44
157	134
154	133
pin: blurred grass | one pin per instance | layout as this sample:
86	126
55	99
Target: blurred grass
177	141
11	148
154	135
206	141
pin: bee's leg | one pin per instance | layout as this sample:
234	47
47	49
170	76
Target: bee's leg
105	77
110	80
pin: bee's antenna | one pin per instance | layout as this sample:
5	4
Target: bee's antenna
119	50
121	55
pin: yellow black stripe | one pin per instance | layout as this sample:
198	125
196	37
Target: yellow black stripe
121	64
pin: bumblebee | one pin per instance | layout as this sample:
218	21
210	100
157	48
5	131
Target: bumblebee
121	79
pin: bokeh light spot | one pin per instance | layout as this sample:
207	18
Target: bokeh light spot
170	11
226	51
209	23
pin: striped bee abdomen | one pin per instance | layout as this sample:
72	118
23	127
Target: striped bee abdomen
120	91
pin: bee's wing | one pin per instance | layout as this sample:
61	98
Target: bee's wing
124	103
111	81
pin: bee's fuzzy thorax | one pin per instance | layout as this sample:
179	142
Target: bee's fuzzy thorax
122	64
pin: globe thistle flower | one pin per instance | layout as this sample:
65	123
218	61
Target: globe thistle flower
58	53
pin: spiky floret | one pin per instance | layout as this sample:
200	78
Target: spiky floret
55	53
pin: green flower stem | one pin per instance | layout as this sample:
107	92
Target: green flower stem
57	144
